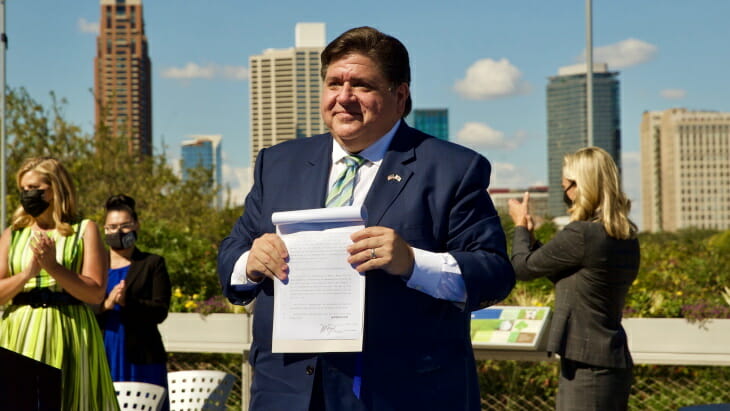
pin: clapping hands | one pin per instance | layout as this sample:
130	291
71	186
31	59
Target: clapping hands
44	250
116	296
520	212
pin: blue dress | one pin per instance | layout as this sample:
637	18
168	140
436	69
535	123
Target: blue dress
121	369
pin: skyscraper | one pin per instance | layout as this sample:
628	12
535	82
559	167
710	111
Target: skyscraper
122	75
285	87
685	170
432	121
203	151
567	126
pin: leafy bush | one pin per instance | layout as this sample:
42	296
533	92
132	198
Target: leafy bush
177	218
682	275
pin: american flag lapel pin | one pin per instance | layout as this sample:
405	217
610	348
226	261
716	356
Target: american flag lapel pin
395	177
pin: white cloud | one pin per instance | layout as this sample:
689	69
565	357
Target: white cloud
508	175
488	79
674	93
85	26
235	72
480	136
189	71
631	176
210	71
626	53
239	181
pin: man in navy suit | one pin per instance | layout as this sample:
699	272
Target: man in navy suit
433	249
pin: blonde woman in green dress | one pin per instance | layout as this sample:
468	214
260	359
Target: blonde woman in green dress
51	265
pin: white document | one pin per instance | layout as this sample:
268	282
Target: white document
321	306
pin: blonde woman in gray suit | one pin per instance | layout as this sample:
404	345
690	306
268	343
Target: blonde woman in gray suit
592	262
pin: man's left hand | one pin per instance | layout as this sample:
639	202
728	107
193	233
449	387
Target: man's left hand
381	248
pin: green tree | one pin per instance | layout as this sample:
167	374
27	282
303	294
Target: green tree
178	219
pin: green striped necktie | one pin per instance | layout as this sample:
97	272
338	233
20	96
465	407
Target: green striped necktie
341	195
341	192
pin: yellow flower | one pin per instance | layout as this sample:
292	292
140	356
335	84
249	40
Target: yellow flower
178	292
190	304
678	293
195	296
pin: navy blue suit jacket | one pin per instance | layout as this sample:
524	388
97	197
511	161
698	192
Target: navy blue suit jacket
417	350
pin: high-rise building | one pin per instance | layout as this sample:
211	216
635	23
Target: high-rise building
432	121
123	75
285	89
685	170
203	151
567	125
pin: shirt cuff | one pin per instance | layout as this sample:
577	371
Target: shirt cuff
437	274
239	279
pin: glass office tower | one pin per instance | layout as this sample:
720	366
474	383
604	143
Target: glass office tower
203	151
432	121
567	125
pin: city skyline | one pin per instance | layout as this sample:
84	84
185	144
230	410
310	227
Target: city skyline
487	63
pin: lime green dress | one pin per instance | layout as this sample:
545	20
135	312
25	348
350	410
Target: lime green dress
63	336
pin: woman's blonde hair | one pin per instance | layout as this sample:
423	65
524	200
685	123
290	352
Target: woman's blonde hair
598	195
54	174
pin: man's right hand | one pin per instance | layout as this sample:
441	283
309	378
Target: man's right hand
267	258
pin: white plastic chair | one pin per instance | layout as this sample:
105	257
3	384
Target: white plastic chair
139	395
199	390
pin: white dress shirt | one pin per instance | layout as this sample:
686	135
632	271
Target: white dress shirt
436	274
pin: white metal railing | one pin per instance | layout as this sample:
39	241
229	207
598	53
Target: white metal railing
668	341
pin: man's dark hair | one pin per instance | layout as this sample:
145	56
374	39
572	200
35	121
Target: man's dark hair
386	51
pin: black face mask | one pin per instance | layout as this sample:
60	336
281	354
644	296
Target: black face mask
33	202
568	202
567	199
121	241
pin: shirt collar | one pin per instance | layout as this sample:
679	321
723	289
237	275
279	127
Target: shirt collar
374	153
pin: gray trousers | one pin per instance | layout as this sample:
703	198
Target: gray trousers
583	387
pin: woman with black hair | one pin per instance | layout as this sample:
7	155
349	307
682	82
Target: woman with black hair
137	300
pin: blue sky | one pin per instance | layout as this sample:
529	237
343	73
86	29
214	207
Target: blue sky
486	61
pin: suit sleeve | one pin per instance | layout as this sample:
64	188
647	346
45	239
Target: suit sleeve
155	309
244	232
477	241
560	256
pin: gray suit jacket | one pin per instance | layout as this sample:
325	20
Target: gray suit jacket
592	273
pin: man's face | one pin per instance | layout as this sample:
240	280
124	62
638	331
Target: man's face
358	104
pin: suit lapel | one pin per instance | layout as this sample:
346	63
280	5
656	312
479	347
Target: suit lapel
393	175
315	167
133	272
